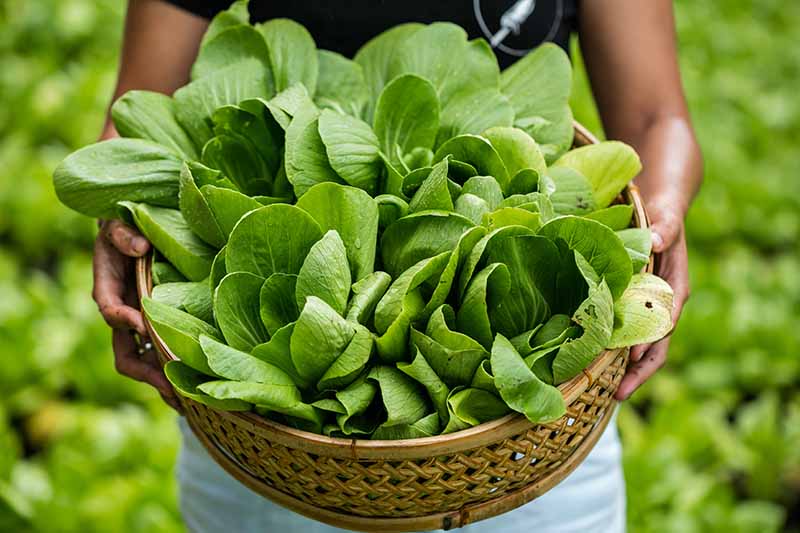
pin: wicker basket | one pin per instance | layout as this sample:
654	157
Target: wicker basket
444	482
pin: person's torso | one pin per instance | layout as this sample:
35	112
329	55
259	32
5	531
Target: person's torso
513	28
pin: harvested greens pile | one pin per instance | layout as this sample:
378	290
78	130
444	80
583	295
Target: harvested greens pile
397	246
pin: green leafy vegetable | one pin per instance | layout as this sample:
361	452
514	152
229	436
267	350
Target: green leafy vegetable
520	388
93	179
237	310
367	234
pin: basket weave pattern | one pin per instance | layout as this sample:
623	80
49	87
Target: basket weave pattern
413	487
444	481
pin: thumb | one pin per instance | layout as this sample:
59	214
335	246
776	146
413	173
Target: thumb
665	231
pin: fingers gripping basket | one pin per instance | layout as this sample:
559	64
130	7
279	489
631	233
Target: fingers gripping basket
445	481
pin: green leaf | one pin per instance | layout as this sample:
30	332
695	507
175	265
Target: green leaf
392	183
228	46
532	263
420	370
194	297
403	398
643	313
444	284
319	338
195	209
218	270
196	102
485	187
517	149
171	235
478	152
609	166
512	216
366	293
273	238
292	54
180	332
474	110
282	107
452	355
471	407
325	273
251	121
237	310
472	207
235	15
151	116
353	149
406	116
520	388
353	214
596	316
550	330
340	85
236	365
307	162
483	378
418	236
278	305
474	259
418	158
237	157
523	182
484	292
278	396
433	193
356	399
538	87
598	244
163	272
390	208
573	193
352	361
227	206
616	217
330	404
186	380
638	242
93	179
375	59
277	352
440	52
404	303
427	426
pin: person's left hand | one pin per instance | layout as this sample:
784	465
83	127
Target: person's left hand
672	265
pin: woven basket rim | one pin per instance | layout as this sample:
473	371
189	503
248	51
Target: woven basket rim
353	448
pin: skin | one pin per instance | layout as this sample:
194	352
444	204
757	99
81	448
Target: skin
638	92
159	47
631	58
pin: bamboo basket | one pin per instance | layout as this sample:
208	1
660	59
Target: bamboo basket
440	482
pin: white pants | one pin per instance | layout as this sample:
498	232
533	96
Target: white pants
591	499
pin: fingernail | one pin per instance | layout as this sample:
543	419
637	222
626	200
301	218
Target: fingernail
658	242
140	245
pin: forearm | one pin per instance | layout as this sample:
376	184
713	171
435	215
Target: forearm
630	51
672	165
159	45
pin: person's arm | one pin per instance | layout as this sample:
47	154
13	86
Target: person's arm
630	52
159	46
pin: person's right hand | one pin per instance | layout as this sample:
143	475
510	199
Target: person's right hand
114	291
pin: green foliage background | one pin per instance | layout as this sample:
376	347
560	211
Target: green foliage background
711	444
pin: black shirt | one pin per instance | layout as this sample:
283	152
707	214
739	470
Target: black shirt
512	27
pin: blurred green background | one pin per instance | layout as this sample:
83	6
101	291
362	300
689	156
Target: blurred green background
711	444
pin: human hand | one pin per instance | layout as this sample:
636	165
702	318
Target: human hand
115	248
672	265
